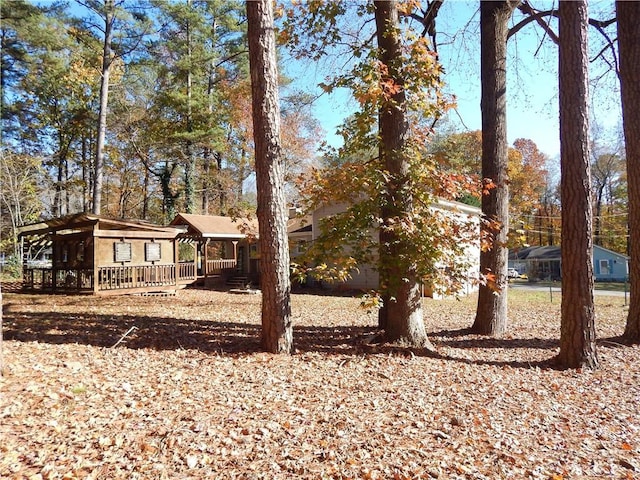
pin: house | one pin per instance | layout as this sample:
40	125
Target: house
99	255
545	263
538	263
609	266
366	277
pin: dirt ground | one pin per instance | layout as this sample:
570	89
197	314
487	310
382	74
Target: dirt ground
177	388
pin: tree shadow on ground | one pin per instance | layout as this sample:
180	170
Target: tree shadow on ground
235	338
465	338
141	332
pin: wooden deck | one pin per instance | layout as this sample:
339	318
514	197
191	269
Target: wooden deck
117	280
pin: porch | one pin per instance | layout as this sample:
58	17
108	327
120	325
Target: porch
213	250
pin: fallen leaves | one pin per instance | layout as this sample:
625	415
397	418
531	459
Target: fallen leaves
188	394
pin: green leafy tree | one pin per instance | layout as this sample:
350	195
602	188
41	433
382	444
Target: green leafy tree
201	52
119	29
383	176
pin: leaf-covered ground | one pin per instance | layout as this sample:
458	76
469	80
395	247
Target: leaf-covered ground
188	394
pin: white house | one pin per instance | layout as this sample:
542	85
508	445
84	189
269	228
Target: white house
304	230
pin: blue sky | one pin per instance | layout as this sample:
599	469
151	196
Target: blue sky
532	80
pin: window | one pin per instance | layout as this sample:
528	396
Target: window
152	252
122	252
604	267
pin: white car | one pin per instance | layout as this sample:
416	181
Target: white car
513	273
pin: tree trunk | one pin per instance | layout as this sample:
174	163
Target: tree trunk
628	14
401	315
1	338
277	331
104	101
190	167
491	313
577	330
208	151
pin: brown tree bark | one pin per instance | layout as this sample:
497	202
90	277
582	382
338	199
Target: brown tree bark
628	17
491	313
277	332
109	14
577	330
401	315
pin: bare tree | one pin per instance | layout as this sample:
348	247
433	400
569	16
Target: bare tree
277	332
577	331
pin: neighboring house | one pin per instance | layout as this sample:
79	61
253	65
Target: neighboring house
609	266
366	277
545	263
99	255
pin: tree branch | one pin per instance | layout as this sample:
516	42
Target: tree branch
534	16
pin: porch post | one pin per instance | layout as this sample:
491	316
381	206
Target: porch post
235	253
96	266
205	267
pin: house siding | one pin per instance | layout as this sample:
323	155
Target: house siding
366	277
609	265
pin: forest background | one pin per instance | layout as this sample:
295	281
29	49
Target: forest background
178	125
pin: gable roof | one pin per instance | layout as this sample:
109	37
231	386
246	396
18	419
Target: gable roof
215	226
611	252
82	222
536	253
300	225
550	253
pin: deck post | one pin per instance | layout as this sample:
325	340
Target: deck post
235	250
205	267
96	267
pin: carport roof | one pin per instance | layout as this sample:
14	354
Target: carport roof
215	226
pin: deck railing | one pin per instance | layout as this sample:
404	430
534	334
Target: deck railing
217	266
130	277
135	277
186	271
109	278
64	280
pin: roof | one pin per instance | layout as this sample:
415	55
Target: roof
536	253
83	222
611	252
215	226
299	225
549	253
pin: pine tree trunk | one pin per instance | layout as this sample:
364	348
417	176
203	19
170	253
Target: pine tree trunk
401	316
491	313
577	330
628	15
104	101
190	166
277	332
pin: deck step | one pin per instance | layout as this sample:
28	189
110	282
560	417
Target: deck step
238	282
